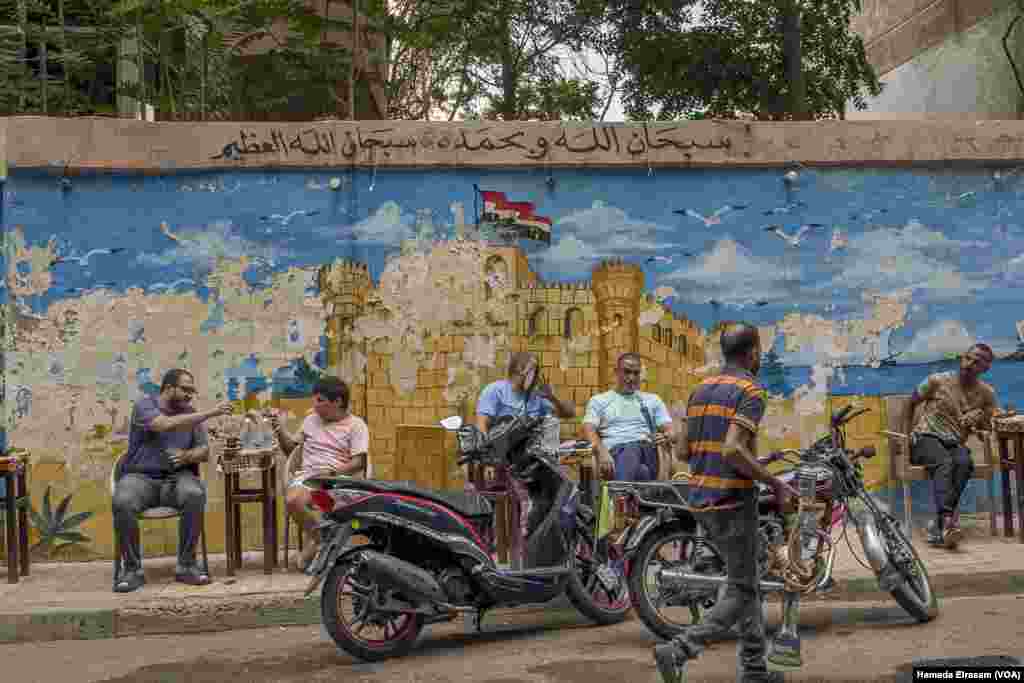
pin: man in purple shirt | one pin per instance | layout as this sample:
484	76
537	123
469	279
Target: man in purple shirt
161	469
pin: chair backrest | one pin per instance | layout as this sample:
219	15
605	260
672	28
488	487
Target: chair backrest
899	457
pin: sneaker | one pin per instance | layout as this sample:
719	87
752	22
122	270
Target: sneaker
784	653
671	662
129	581
193	576
951	537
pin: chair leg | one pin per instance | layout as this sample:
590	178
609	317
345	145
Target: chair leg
287	525
991	484
906	508
117	559
202	536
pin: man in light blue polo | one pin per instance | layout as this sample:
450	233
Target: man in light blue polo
625	426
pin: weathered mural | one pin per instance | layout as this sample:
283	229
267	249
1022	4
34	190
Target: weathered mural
415	284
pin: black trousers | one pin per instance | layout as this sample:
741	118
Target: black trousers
950	466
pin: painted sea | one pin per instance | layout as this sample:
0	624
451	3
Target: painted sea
1006	377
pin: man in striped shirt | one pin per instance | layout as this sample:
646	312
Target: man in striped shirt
723	416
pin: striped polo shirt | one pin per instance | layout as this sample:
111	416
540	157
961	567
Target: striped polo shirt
733	396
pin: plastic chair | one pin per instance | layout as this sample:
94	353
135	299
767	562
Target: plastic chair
151	513
294	459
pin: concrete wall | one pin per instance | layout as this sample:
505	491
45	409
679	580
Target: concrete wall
261	256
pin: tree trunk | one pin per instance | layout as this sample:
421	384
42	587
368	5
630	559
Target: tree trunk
792	56
64	57
352	62
509	105
22	53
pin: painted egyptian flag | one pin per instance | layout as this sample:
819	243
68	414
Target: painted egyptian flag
518	217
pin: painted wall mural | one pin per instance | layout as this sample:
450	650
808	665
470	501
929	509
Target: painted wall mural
864	281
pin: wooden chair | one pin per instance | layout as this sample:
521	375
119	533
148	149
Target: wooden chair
152	513
904	472
290	467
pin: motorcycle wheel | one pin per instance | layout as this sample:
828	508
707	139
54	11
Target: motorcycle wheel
644	581
398	632
915	594
588	595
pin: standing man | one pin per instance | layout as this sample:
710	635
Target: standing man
720	442
626	426
518	395
953	404
166	443
334	442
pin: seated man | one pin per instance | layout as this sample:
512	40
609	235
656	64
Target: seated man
507	398
953	404
334	442
626	426
166	443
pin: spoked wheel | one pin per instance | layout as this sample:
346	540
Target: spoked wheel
914	594
347	609
599	591
664	607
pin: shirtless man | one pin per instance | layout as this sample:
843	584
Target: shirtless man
334	441
953	404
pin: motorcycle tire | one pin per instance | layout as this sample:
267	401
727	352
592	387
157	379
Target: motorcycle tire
924	610
647	612
583	600
368	651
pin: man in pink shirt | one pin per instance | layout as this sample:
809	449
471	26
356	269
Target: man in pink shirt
334	442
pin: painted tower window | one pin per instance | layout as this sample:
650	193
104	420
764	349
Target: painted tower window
495	271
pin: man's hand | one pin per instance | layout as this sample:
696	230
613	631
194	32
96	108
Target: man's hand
784	493
972	418
225	408
546	392
661	438
178	457
604	462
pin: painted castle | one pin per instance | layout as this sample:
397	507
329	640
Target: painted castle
578	330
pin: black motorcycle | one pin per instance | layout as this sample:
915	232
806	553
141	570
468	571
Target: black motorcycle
427	557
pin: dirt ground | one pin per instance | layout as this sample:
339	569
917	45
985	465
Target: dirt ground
842	642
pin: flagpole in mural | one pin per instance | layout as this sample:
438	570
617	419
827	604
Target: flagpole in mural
509	221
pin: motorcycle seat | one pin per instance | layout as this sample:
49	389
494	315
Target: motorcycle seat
464	503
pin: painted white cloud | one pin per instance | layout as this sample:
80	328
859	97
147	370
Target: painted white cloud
912	257
386	226
203	248
938	340
599	232
731	274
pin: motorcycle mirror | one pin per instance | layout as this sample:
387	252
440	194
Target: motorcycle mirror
452	423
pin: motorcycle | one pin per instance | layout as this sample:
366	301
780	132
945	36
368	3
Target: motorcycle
427	556
797	550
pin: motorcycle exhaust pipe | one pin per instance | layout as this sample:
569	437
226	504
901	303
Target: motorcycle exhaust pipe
414	583
678	576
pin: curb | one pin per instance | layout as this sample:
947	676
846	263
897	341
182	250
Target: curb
168	616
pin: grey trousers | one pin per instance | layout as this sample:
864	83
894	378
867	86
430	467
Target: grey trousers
735	534
135	493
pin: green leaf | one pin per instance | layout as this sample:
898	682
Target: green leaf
73	536
38	521
61	510
76	519
47	510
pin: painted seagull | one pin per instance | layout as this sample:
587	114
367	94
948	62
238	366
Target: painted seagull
787	209
867	215
713	219
286	219
839	240
660	259
84	260
167	286
793	240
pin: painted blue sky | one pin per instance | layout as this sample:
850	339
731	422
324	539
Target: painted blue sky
956	240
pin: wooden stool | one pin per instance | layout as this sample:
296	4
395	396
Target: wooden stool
14	474
1007	430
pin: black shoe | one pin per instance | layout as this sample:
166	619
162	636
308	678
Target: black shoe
193	576
129	581
671	662
935	534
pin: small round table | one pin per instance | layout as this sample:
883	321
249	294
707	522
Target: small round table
263	461
1006	430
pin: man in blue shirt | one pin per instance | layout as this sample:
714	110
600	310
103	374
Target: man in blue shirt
161	469
626	426
508	398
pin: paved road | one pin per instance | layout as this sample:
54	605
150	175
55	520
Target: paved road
843	642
